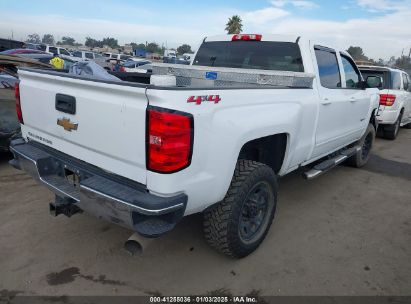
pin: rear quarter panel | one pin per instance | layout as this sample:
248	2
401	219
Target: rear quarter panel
221	129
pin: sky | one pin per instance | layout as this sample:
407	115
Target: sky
381	27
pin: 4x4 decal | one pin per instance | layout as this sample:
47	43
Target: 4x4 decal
199	99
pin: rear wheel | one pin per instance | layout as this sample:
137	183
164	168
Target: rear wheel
391	131
237	225
366	142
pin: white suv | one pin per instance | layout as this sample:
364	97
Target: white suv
84	55
63	52
395	98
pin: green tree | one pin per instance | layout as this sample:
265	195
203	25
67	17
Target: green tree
185	48
33	38
67	41
234	25
91	42
403	62
140	46
380	62
357	53
48	39
111	42
153	47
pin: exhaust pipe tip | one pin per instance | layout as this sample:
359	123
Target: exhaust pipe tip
136	244
134	248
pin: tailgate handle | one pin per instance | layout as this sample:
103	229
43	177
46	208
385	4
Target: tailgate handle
66	103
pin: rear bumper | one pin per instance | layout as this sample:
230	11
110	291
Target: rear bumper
104	195
387	117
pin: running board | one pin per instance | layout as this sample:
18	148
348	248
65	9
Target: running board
328	164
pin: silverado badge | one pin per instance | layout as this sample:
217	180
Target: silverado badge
67	124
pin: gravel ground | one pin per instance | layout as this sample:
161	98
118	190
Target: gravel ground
347	232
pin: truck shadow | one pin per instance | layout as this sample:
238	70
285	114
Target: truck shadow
5	157
377	164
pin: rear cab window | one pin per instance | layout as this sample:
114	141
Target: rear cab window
263	55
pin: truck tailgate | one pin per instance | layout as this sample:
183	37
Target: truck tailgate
107	129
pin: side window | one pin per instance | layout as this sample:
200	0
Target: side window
64	52
53	50
89	55
409	82
405	82
352	77
395	81
328	68
77	54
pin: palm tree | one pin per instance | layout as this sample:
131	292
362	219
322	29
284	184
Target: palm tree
234	25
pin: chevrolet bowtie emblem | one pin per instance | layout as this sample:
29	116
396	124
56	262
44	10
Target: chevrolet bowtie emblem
67	124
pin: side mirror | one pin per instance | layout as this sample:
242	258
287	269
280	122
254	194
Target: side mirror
374	82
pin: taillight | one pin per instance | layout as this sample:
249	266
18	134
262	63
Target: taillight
122	69
387	99
18	104
247	37
169	140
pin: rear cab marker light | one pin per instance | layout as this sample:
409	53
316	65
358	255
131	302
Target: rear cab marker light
247	37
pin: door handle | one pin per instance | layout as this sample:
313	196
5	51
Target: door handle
353	99
325	101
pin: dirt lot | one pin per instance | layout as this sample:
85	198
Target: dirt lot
346	233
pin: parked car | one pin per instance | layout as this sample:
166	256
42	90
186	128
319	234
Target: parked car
143	156
85	55
22	51
135	66
175	60
111	57
33	46
395	98
188	56
63	52
7	44
170	54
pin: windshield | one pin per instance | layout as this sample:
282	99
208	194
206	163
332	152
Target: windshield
264	55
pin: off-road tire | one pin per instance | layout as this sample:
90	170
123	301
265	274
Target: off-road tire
366	142
391	131
222	221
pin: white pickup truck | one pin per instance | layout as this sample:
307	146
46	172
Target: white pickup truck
250	109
